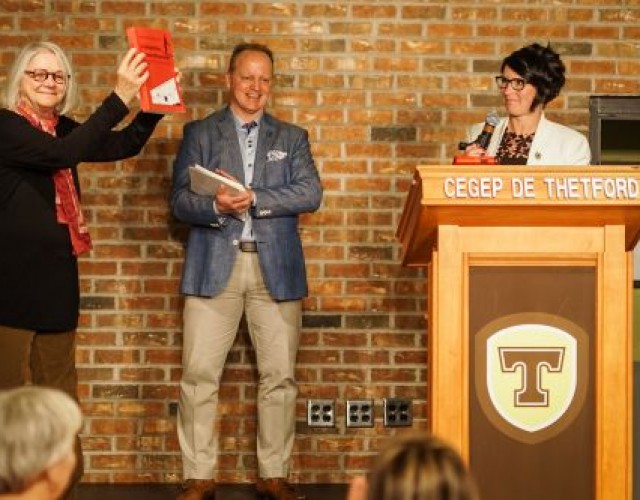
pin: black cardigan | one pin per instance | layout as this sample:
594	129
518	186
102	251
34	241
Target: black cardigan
38	272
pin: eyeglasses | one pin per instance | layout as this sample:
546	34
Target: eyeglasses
516	83
41	75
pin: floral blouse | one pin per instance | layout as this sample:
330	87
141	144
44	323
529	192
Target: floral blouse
514	148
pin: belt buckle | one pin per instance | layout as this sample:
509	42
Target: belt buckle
248	246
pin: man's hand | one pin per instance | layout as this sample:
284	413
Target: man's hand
230	202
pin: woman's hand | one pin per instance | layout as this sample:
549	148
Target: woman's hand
474	150
132	73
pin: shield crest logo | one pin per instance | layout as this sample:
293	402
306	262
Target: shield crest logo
531	374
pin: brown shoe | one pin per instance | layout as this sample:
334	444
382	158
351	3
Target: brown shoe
276	488
198	489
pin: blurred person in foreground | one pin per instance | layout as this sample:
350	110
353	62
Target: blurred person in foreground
244	256
42	227
530	78
416	467
38	426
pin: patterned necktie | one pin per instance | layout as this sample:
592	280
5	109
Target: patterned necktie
249	126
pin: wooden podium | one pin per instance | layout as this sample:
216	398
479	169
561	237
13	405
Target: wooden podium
529	301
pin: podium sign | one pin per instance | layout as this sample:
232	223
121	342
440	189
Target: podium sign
529	300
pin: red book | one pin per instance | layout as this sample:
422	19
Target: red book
161	92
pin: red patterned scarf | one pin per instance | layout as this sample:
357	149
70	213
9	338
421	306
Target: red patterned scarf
68	209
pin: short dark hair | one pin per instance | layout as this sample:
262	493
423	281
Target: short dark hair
541	67
243	47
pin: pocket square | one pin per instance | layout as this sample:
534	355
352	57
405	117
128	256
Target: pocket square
276	155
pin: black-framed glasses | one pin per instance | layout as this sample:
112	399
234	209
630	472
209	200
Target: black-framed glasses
41	75
516	83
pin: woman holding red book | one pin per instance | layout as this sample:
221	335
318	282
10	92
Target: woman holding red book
42	227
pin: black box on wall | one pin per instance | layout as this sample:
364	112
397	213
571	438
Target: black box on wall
614	129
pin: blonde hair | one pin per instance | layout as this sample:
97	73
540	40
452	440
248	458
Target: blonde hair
420	467
11	95
38	427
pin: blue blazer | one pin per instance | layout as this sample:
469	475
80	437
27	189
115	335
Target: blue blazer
286	184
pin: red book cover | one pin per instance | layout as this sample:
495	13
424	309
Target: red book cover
161	92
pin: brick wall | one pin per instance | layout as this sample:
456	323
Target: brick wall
381	87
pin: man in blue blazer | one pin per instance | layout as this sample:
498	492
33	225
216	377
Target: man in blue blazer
244	255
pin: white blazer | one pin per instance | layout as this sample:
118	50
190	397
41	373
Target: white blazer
553	144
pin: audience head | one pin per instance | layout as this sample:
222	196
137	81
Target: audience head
38	431
34	56
420	467
539	66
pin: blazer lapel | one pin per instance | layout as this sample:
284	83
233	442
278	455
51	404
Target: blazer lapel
232	157
266	137
496	138
536	153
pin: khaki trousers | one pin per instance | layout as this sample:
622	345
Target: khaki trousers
47	359
210	327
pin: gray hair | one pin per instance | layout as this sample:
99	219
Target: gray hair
11	95
38	427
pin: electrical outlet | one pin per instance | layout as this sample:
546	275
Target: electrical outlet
360	413
397	412
321	413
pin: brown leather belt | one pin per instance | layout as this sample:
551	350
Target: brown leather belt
248	246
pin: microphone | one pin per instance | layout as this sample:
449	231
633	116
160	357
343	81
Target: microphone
490	123
483	139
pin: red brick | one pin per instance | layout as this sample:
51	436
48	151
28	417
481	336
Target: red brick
140	444
349	133
423	12
352	339
316	357
96	444
524	14
361	357
618	86
128	8
592	66
324	10
400	29
127	461
112	426
548	31
375	45
351	29
95	374
631	32
393	340
140	408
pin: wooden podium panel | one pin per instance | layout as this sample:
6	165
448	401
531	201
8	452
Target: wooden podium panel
542	226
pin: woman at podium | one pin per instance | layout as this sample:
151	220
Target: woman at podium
530	78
